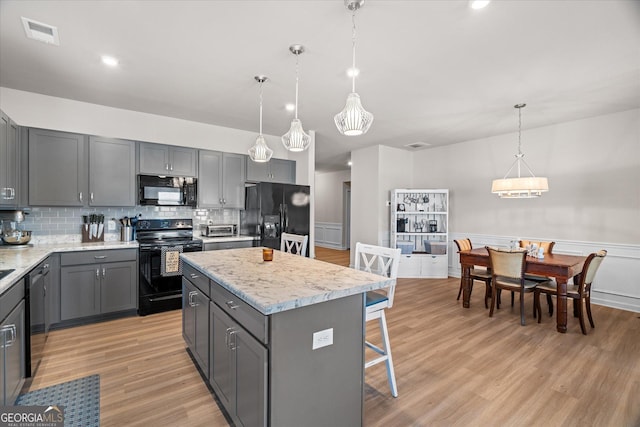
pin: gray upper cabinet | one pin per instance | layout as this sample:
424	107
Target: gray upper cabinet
275	170
221	179
8	162
158	159
112	172
57	168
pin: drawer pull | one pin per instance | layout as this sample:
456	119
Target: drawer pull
231	305
99	256
194	276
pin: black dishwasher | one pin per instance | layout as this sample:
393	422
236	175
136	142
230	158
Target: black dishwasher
37	315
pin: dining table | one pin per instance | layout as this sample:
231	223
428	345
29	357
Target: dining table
561	267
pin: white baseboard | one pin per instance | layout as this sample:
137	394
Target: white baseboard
614	285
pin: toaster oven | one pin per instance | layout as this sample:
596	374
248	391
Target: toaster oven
218	230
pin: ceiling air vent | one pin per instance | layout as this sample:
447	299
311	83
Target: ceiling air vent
418	145
42	32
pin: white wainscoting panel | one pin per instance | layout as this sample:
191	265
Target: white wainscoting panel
329	235
615	285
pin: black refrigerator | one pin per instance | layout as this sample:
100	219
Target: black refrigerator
272	209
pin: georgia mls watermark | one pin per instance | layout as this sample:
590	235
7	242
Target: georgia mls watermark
31	416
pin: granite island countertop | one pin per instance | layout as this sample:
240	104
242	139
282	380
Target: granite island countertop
23	259
287	282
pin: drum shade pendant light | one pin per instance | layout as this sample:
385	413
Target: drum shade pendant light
260	152
520	187
296	139
353	120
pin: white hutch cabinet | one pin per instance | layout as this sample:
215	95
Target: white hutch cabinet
420	228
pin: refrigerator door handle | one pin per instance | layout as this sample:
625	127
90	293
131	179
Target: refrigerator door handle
286	219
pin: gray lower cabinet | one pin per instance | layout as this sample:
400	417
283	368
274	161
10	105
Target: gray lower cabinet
275	170
159	159
9	176
112	172
221	179
214	246
57	168
195	322
97	282
239	371
12	343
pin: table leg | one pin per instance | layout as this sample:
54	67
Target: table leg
466	285
561	314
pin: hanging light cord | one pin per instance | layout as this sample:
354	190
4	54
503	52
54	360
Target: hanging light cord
519	130
297	85
261	108
353	41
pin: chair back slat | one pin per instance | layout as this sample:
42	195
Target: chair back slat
463	244
507	263
379	260
294	243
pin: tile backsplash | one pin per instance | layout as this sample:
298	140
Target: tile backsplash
46	223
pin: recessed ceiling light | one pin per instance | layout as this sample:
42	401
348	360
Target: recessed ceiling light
110	61
289	107
353	72
478	4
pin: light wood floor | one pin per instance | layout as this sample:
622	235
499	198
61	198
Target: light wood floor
454	366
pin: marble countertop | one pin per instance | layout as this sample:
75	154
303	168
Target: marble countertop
287	282
23	259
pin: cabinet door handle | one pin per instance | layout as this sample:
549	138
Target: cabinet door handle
91	196
233	343
166	166
80	196
13	193
170	166
231	305
11	329
4	193
104	272
192	294
97	273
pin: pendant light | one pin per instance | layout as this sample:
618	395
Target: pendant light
260	152
296	139
520	187
353	120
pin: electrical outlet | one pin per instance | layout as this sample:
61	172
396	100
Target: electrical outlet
322	338
111	225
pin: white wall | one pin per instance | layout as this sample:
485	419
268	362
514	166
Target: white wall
329	203
593	167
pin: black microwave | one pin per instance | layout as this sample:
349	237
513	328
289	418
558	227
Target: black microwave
167	191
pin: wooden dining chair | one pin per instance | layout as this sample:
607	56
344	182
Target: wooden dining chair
294	243
385	262
482	275
580	292
507	268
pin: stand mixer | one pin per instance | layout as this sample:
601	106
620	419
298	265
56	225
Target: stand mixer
10	228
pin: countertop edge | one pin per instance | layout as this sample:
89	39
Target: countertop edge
39	252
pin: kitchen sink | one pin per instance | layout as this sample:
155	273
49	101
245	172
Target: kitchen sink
6	272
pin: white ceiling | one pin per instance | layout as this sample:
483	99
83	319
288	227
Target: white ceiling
432	71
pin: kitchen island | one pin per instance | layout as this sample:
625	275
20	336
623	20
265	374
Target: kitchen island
284	341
